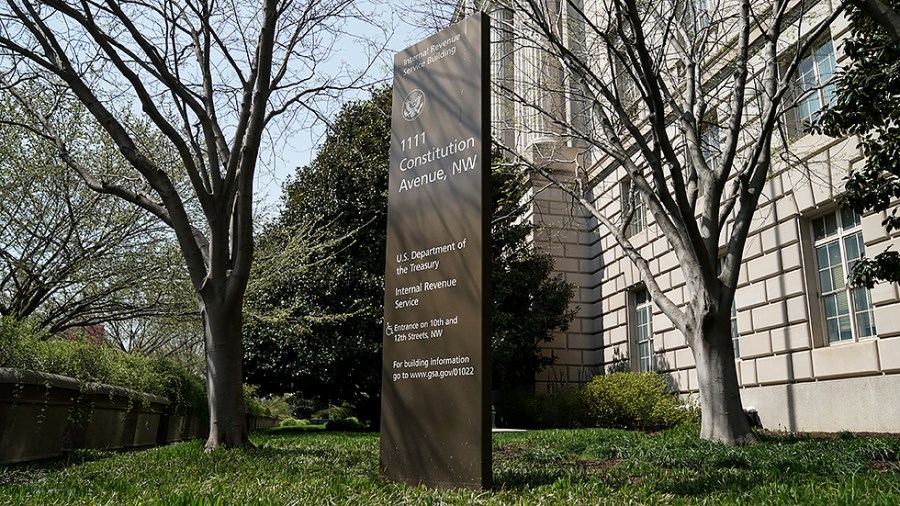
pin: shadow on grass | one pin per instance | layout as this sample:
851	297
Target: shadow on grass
667	465
522	467
28	472
581	472
708	484
678	463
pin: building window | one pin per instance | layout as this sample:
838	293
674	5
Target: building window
696	16
710	145
838	244
735	338
631	200
626	85
814	82
643	331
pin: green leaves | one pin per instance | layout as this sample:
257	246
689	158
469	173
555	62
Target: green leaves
884	267
529	301
24	346
70	257
868	106
313	306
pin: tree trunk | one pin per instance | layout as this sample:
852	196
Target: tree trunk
222	327
722	415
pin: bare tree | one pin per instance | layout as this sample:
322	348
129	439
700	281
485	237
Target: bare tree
210	76
638	88
178	338
70	257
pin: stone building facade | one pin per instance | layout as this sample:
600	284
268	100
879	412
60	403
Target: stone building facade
812	353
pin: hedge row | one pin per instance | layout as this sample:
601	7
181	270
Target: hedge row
24	346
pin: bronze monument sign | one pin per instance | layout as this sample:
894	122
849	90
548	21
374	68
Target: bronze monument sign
436	371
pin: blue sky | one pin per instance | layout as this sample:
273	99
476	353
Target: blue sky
300	147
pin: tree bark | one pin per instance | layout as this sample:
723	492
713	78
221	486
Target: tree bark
222	319
722	414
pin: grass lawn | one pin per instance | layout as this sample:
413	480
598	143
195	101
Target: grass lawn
591	466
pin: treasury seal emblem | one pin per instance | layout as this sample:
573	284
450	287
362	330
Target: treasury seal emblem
413	105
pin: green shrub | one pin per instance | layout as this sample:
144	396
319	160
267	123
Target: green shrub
561	408
185	390
629	400
293	422
25	346
332	412
277	406
17	341
350	423
251	401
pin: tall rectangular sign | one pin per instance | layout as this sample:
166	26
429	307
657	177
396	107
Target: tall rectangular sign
435	421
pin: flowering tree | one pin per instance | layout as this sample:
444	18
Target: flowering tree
210	77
